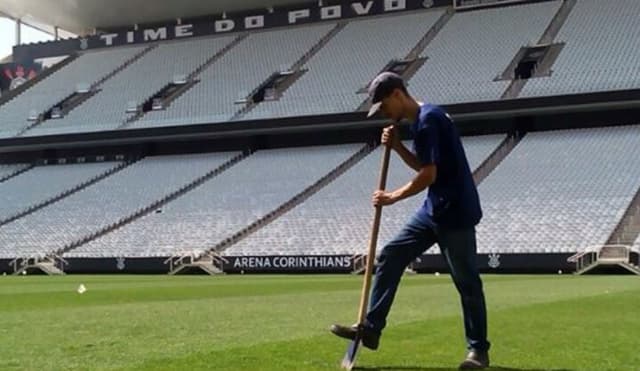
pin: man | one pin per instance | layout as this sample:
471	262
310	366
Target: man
448	216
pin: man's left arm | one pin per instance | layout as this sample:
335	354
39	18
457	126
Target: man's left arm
425	177
428	155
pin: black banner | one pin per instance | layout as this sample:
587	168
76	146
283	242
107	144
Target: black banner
487	263
5	268
12	75
503	263
117	265
105	266
223	24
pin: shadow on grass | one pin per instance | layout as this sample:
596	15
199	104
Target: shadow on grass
417	368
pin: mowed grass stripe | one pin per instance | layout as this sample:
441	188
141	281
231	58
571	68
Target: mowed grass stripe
20	284
17	290
22	293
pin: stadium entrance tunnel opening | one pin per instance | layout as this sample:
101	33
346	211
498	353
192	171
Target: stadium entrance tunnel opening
531	62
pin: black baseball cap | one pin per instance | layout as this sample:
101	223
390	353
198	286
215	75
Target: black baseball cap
381	87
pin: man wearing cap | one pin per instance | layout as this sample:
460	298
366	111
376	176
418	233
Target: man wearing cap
448	216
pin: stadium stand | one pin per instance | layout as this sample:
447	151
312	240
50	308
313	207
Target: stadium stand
600	54
43	183
464	58
223	205
108	109
86	69
224	82
560	191
104	203
337	220
347	64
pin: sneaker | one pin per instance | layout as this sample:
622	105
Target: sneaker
475	361
370	338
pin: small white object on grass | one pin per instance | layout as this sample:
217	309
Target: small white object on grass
560	271
24	273
437	274
81	289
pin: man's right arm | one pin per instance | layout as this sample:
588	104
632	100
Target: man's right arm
391	138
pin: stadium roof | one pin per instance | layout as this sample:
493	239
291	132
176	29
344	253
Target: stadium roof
80	16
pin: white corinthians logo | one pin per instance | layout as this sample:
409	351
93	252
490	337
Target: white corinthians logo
120	263
494	260
84	43
18	76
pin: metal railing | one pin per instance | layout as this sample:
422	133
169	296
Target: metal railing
178	258
190	257
600	254
24	262
359	261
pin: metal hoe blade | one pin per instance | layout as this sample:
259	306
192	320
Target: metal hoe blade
349	359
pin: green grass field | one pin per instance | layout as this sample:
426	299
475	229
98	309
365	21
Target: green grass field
280	323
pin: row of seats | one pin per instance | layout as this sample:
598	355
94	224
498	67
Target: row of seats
347	63
223	205
10	169
601	51
474	48
337	220
106	202
88	68
236	74
43	183
136	84
558	191
463	60
563	190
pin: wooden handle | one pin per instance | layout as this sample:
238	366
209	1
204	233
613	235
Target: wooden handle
373	240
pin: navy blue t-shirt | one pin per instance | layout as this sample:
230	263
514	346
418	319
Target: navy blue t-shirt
452	200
